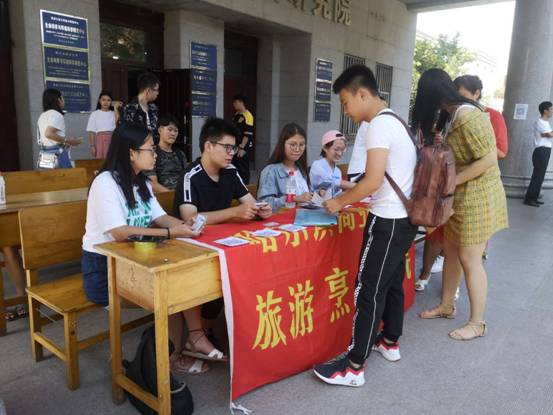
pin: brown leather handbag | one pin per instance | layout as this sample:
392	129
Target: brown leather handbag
431	202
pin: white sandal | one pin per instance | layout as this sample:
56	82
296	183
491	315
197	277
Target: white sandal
421	284
197	367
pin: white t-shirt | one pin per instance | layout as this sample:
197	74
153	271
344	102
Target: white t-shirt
107	209
100	121
50	118
541	127
358	159
321	172
386	131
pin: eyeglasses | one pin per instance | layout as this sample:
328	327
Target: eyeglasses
229	148
151	150
296	146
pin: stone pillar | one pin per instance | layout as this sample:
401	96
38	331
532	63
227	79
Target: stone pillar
528	82
28	72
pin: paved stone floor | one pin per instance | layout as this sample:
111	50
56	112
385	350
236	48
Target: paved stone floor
507	372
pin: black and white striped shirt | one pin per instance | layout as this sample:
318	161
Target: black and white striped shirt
195	187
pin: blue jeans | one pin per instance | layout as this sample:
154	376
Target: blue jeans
95	277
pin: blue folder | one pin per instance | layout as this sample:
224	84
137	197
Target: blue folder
314	217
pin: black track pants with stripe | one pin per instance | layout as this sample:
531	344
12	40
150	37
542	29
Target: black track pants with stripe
379	290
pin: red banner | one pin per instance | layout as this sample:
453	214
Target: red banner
292	295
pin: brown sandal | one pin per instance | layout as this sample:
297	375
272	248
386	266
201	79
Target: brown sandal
438	312
475	329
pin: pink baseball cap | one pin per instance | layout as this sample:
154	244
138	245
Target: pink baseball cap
330	136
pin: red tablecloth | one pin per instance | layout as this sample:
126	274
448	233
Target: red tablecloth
289	298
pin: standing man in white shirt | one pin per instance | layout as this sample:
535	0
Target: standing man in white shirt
388	233
543	133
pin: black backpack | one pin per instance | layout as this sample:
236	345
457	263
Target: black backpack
142	371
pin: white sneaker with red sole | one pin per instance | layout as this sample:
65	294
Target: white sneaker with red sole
390	352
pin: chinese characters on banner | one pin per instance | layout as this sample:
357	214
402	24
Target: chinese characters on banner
291	296
65	58
338	11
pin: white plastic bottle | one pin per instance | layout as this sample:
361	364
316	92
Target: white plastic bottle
2	190
291	190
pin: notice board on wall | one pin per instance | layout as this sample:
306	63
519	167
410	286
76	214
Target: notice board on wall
323	90
65	58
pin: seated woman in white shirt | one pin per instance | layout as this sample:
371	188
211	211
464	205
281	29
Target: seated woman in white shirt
325	175
120	204
101	124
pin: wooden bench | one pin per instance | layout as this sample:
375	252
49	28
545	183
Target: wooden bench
35	181
92	167
52	235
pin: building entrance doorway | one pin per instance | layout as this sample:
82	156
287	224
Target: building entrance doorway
9	153
240	73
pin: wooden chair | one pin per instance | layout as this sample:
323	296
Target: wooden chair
34	181
92	167
344	170
52	235
166	200
252	188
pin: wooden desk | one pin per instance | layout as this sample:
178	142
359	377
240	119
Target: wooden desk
9	224
168	279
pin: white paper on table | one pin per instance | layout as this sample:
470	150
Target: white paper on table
318	200
232	241
270	224
266	232
290	227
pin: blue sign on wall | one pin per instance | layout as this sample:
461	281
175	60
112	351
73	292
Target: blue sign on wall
65	64
76	96
323	90
64	30
204	81
203	56
322	111
324	70
204	105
